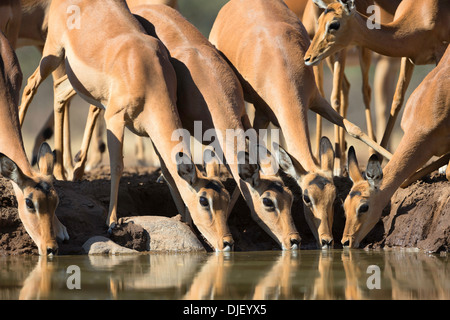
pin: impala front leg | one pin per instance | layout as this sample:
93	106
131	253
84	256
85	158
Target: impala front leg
48	64
322	107
115	133
337	104
357	133
318	76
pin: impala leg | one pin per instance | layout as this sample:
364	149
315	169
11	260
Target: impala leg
96	153
260	121
63	92
318	76
176	196
428	169
34	81
386	74
45	134
234	199
52	58
81	157
140	151
67	155
115	134
365	58
322	107
345	90
336	103
447	171
406	71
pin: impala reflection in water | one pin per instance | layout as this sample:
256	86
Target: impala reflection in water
333	274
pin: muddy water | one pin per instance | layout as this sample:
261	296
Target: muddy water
335	274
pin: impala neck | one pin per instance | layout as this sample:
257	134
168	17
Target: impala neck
391	39
10	135
410	155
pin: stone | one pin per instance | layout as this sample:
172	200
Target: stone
167	234
102	245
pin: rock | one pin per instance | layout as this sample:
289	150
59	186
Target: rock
167	234
102	245
131	235
420	216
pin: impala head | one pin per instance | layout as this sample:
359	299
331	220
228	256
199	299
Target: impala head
37	199
210	201
334	30
362	208
271	199
318	190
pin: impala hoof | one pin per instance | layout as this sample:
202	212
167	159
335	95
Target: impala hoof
112	226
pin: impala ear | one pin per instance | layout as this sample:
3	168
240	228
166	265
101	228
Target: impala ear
266	161
374	172
320	3
248	170
11	171
349	5
46	159
211	163
286	163
353	168
186	168
326	155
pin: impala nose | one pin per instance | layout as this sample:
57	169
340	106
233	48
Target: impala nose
228	246
326	244
346	243
295	244
52	251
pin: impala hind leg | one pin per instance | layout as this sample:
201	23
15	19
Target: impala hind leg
96	153
386	74
140	151
365	58
63	92
115	134
406	71
81	156
338	66
447	171
318	76
43	135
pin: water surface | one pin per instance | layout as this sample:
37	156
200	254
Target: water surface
268	275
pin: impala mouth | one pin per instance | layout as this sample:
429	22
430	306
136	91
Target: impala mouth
52	251
327	244
227	246
348	244
312	61
295	244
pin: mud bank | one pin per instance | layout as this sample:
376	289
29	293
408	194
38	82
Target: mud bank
418	217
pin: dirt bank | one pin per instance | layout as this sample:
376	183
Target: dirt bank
418	217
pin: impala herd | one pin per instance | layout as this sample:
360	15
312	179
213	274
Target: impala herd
143	66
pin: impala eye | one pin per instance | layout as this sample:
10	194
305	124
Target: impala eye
334	26
362	209
204	202
268	203
29	204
